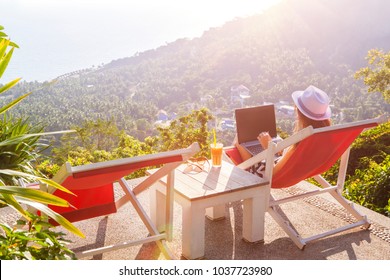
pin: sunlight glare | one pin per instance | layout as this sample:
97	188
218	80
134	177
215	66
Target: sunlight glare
215	8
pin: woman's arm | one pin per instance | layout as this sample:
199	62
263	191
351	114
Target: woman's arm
243	152
264	139
288	153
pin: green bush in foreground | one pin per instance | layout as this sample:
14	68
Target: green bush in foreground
370	187
35	241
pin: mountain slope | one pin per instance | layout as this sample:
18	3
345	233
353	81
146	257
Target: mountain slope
295	43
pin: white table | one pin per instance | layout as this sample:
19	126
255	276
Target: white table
207	193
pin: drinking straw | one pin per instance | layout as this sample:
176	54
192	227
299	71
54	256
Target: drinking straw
215	138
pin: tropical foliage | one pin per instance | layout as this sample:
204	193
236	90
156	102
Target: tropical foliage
18	155
368	181
370	187
368	177
377	75
19	148
262	52
184	131
177	134
91	136
38	242
113	108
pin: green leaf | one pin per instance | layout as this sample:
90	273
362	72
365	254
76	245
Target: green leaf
57	217
9	85
4	61
19	138
6	228
35	195
3	47
55	185
13	103
12	44
12	202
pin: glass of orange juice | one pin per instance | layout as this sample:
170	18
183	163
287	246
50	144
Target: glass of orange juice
216	154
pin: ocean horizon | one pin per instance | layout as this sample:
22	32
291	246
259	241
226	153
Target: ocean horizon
61	36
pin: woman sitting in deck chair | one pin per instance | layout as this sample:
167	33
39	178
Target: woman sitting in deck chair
312	108
308	153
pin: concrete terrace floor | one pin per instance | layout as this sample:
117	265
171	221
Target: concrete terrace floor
223	238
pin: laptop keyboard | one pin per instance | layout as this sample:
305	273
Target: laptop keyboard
254	150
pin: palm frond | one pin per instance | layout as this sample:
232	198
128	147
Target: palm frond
55	216
49	182
9	85
35	195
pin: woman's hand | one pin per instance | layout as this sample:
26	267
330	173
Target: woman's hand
264	138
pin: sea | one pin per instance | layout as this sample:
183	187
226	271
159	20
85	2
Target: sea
56	37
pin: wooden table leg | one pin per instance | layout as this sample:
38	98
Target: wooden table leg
216	212
193	231
253	219
157	208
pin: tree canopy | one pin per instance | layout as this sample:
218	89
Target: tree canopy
377	75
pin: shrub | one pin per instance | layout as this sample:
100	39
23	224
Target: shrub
368	182
37	242
373	144
20	154
370	187
47	168
19	148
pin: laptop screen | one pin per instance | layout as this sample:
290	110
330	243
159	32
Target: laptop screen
251	121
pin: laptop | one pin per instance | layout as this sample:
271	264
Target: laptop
253	120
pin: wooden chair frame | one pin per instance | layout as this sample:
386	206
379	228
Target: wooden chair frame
304	136
91	179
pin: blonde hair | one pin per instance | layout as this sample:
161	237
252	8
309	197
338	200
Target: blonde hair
303	121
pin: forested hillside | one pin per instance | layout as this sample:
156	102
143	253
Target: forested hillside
113	107
292	45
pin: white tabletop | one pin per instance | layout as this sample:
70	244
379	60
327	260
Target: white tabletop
213	181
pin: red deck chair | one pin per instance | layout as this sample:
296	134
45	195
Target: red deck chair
318	150
93	185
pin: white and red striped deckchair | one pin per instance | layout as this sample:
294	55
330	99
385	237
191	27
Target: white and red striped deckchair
93	186
317	150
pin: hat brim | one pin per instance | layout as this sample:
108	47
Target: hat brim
296	95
